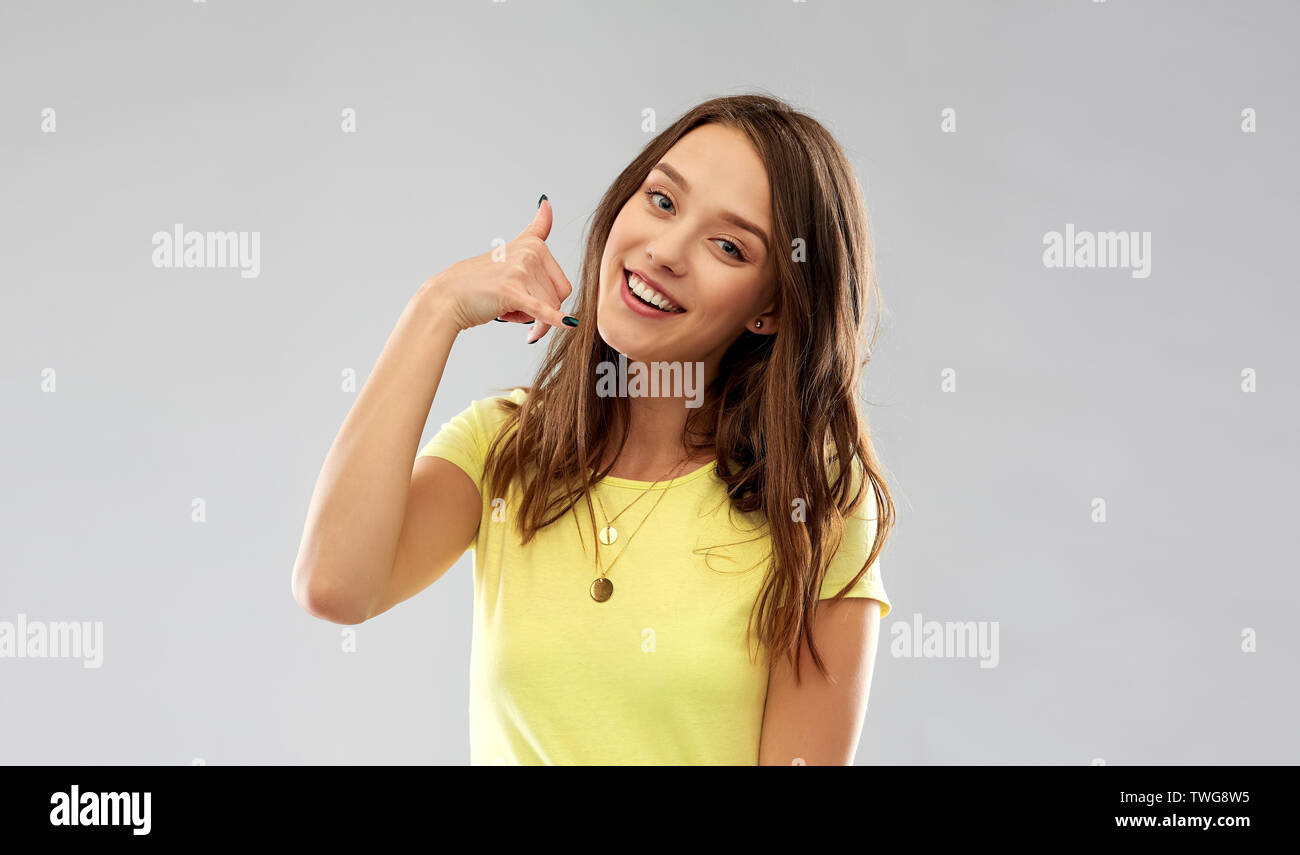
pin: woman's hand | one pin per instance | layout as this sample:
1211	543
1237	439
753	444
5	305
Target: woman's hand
524	284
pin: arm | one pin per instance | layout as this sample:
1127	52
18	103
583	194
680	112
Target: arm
350	541
383	525
820	721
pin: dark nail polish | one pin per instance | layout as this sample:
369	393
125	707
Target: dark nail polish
570	321
534	341
498	320
539	201
526	323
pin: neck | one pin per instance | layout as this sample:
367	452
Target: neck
655	447
656	444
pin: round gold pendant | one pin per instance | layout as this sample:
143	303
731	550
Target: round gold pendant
602	589
608	535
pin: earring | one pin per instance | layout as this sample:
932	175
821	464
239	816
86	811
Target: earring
758	324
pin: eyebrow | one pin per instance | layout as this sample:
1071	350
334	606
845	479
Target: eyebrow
734	219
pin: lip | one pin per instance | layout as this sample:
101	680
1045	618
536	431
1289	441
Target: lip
655	285
637	306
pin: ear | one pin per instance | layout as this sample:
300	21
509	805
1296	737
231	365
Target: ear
770	319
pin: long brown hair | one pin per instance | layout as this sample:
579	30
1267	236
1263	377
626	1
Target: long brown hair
783	408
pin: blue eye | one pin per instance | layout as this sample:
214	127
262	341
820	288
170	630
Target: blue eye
740	255
651	193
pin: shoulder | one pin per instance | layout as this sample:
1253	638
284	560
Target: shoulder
492	410
496	412
856	472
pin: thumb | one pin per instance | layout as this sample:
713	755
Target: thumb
540	227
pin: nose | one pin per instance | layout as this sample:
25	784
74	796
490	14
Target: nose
668	249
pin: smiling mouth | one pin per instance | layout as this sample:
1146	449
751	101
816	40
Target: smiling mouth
627	283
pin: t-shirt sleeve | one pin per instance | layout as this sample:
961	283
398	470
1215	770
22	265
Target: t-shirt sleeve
460	441
465	438
859	536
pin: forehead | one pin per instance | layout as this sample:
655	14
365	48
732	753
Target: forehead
724	172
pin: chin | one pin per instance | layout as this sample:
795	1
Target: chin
633	344
631	336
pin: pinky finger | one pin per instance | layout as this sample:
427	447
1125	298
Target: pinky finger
547	317
536	333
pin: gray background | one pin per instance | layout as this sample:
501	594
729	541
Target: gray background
1118	640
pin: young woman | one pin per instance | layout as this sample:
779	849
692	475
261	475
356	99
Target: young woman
629	550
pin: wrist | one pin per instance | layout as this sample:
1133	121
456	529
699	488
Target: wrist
436	308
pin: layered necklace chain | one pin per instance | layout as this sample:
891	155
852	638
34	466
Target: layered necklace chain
602	589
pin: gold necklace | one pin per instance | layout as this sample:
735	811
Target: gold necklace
601	588
609	534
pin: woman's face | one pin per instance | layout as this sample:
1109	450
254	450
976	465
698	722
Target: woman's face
682	231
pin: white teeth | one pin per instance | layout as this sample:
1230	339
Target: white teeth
649	294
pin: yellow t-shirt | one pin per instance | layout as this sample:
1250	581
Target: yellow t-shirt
660	673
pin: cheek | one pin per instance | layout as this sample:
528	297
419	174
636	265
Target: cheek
614	243
732	300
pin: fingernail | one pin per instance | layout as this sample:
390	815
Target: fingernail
539	201
526	323
570	321
534	340
498	320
